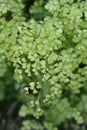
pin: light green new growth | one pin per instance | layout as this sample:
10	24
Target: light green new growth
49	56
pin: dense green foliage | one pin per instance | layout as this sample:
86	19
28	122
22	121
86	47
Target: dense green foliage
43	50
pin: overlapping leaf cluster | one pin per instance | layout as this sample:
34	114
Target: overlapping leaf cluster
48	56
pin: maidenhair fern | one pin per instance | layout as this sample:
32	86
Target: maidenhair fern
48	56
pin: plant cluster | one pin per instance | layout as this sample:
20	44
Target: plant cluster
43	51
